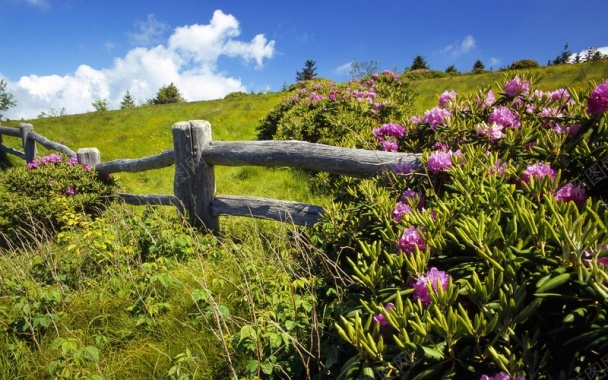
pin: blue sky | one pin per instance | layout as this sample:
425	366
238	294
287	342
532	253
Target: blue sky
67	53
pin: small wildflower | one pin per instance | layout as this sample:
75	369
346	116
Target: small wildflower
380	319
410	239
421	291
439	161
437	116
516	86
537	171
70	191
598	99
504	116
446	98
571	192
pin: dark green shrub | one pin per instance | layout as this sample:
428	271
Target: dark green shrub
34	197
523	64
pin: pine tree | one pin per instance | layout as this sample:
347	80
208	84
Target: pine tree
419	63
168	94
308	72
478	66
127	101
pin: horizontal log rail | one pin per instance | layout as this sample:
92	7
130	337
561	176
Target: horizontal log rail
195	154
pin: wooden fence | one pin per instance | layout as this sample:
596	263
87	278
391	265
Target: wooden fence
194	155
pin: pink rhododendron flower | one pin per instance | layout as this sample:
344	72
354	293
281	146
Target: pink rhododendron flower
400	209
380	319
516	86
598	99
537	171
504	116
416	119
571	192
70	191
441	146
403	168
498	168
393	130
437	116
447	97
32	165
439	161
493	131
489	99
51	159
501	376
562	95
421	292
390	146
410	239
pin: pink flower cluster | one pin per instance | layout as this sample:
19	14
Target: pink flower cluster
437	116
494	131
434	277
403	206
501	376
517	86
447	97
392	130
537	171
571	193
380	319
502	115
50	159
410	240
598	99
440	161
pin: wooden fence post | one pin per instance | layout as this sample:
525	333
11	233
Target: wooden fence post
194	183
88	156
29	145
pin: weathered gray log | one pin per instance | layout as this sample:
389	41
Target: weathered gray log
157	161
150	199
51	144
301	214
29	145
10	131
88	156
12	151
335	160
194	183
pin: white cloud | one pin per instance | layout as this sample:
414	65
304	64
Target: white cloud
460	47
583	53
494	63
188	59
344	69
149	31
37	3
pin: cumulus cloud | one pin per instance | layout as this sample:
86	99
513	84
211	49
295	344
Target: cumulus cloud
188	59
460	47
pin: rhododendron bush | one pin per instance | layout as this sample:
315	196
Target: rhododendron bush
489	261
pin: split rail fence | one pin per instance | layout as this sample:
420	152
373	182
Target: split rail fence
194	155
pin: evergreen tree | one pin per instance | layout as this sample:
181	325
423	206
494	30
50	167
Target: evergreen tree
101	105
451	69
308	72
478	66
419	63
127	101
167	94
6	98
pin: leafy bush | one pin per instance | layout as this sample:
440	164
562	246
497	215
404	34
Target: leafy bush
321	111
34	197
493	256
523	64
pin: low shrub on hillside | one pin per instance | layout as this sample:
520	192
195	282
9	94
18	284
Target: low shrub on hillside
33	197
492	259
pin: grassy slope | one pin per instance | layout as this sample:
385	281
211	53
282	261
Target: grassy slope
579	77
